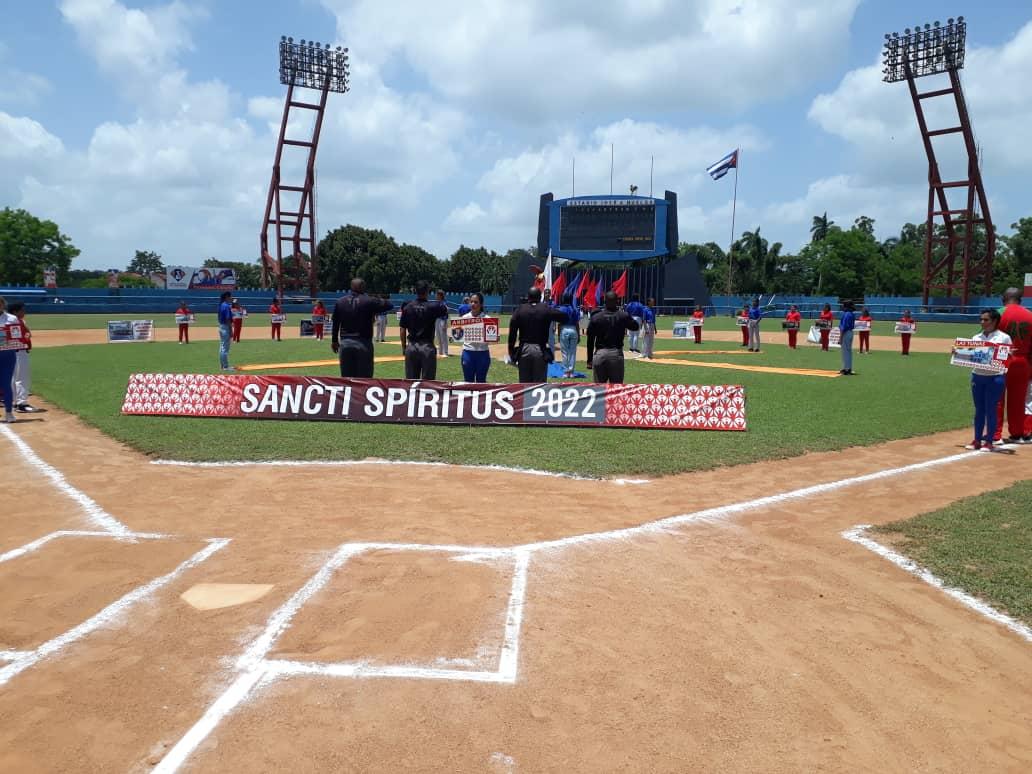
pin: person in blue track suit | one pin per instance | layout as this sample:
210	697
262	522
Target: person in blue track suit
847	323
225	329
637	312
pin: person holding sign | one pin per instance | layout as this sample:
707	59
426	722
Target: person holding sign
987	384
276	319
906	327
824	322
476	357
319	319
238	319
864	329
699	316
607	329
22	370
8	361
792	321
183	315
743	324
847	322
1016	322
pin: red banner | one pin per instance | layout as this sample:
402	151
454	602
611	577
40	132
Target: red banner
667	406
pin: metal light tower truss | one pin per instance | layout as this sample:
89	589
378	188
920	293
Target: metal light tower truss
290	209
959	267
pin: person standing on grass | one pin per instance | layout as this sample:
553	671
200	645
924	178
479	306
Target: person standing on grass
381	321
569	334
352	331
606	331
276	316
441	327
7	365
744	328
184	327
699	315
418	325
755	315
22	372
865	336
238	319
987	385
319	318
793	316
648	325
225	330
904	338
637	313
528	337
476	357
1016	322
847	322
827	319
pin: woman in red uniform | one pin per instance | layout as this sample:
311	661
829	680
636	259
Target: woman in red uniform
745	328
275	310
238	319
829	318
318	319
793	316
698	315
184	328
865	336
905	337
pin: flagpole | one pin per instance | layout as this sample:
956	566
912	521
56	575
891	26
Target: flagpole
734	206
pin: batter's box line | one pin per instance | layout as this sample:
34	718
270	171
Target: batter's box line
24	659
858	535
35	545
258	671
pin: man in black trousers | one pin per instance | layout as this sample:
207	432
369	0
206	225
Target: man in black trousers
530	324
418	326
605	340
353	317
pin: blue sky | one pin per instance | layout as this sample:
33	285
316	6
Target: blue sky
151	125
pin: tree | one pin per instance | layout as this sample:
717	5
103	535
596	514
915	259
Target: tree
821	227
841	261
345	250
756	262
864	224
1013	257
29	245
467	267
496	276
146	262
896	270
712	262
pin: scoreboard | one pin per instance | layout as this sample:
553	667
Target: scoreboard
608	228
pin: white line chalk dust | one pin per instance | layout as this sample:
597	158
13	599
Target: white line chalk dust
858	535
35	545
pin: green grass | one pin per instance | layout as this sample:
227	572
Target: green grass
787	415
982	544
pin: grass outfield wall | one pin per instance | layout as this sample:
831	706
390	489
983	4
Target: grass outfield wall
892	397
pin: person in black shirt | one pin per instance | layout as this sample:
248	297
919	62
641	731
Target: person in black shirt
530	323
353	330
605	341
418	325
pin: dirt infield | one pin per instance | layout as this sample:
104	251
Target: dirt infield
746	639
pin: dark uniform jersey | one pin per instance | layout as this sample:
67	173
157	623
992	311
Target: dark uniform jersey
353	315
419	317
606	330
530	324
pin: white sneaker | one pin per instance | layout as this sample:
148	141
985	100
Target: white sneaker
9	418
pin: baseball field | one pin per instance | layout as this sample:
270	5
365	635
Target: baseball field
234	595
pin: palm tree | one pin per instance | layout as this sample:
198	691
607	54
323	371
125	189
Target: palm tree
821	226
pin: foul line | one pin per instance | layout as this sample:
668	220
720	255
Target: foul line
858	536
740	367
28	548
97	515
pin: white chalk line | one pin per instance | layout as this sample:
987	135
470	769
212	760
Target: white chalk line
13	655
97	515
35	545
108	614
858	535
405	463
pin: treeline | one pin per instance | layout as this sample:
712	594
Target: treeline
850	262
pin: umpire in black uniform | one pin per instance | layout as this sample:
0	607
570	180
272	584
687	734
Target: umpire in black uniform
530	323
605	341
353	317
418	324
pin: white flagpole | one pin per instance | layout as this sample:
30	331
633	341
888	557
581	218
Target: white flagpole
548	270
734	206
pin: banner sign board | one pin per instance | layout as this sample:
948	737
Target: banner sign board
834	336
973	353
863	325
307	329
130	330
742	322
205	278
681	329
474	330
12	337
185	319
50	277
667	406
902	327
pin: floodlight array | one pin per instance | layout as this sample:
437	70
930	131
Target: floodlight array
934	48
313	65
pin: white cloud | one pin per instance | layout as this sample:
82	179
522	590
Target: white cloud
18	87
22	139
536	58
461	218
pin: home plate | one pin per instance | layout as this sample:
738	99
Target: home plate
212	596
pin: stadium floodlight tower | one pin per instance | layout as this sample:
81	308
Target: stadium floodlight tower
954	262
291	208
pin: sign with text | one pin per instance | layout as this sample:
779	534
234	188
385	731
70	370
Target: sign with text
474	330
12	337
902	327
667	406
120	331
863	325
975	353
204	278
681	329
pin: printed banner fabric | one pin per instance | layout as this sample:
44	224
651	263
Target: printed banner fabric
667	406
130	330
12	337
974	353
474	330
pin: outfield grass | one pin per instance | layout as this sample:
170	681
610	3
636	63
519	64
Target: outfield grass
981	544
892	397
48	322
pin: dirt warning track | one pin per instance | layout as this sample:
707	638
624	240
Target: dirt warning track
741	633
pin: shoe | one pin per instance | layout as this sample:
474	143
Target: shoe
9	418
998	442
1026	438
1014	439
24	408
848	373
974	446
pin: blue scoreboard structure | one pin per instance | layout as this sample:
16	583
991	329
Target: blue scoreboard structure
608	229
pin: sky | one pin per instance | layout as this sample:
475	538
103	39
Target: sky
140	125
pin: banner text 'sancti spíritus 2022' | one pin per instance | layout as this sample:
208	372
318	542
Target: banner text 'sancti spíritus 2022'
240	396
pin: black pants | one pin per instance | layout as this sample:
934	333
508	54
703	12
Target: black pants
533	366
608	366
356	358
420	360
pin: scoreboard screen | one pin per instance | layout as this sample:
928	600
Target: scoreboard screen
610	225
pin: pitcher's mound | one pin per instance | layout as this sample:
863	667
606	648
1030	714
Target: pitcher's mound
212	596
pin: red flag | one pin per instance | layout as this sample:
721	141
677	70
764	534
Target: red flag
620	285
559	286
582	289
589	292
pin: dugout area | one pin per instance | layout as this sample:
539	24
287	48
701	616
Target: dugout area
445	618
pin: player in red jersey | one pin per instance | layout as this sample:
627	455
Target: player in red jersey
793	316
829	318
184	328
904	338
238	319
698	315
1016	322
865	336
318	313
745	328
274	310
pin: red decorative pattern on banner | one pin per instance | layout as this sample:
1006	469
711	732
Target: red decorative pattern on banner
677	406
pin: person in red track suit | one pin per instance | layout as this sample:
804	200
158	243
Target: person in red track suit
904	338
826	332
238	319
1016	322
319	310
698	315
745	328
184	328
793	316
275	309
865	336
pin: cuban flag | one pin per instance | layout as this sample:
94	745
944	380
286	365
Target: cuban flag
718	170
